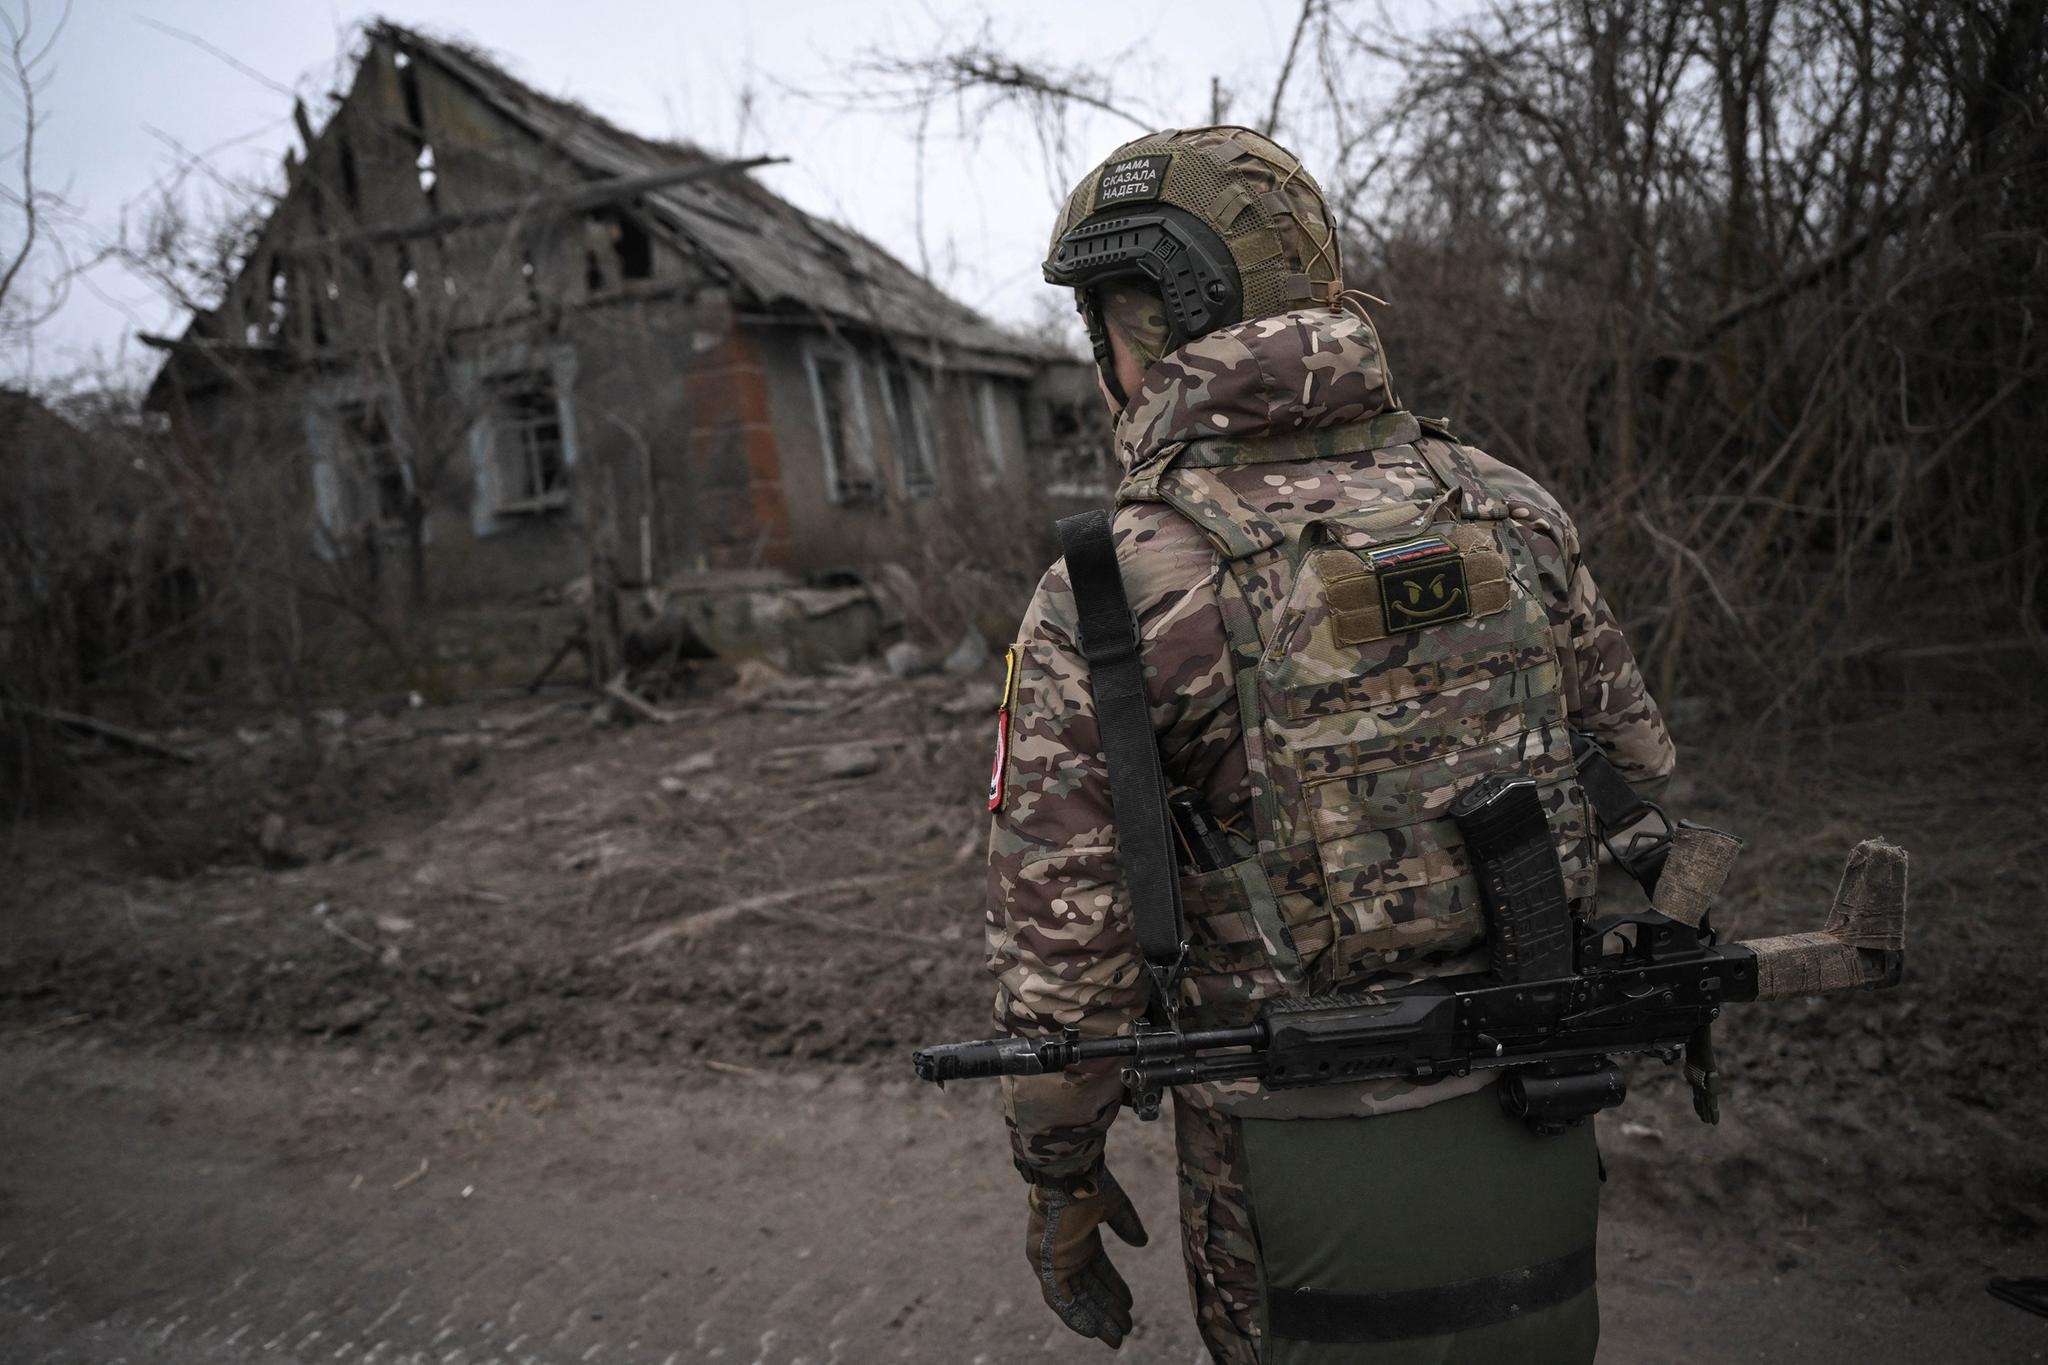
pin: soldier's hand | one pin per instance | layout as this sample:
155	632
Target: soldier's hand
1065	1248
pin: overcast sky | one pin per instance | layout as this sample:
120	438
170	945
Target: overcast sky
126	94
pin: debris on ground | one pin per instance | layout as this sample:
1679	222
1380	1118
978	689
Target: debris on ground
968	656
907	659
799	625
781	886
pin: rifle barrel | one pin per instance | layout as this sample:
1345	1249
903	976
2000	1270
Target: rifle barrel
1037	1056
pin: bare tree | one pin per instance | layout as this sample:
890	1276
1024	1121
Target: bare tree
38	211
1754	284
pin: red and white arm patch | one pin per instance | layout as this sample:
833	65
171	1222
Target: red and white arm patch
1000	772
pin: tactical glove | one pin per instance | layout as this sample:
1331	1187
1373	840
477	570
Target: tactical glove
1065	1248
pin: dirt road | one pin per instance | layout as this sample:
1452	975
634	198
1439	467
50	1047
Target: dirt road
646	994
290	1204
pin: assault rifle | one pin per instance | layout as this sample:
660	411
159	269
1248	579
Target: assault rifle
1562	998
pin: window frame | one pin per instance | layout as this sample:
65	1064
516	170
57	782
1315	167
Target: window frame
546	500
916	426
363	428
995	450
1076	466
476	378
844	486
345	473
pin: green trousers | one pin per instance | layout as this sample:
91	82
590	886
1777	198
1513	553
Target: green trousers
1451	1235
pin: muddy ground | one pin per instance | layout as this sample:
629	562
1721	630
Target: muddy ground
652	986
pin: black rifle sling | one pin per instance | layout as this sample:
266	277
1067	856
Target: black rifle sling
1137	780
1616	806
1613	799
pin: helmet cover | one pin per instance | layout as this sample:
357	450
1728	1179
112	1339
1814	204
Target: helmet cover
1221	224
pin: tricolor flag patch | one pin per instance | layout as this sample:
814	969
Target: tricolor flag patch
1003	711
1408	551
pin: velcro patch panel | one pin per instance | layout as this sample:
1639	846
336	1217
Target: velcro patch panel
1429	581
1132	180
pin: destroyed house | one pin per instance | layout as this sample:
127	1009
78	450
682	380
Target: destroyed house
486	342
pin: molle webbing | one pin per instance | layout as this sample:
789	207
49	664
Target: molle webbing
1256	877
1443	704
1241	626
1235	939
1415	661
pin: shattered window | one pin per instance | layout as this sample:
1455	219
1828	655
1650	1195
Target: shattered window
377	471
908	412
351	184
527	443
629	243
995	441
1063	420
1076	454
842	428
280	300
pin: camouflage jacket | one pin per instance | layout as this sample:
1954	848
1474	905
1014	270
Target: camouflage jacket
1060	939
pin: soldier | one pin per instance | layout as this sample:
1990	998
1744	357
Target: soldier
1346	616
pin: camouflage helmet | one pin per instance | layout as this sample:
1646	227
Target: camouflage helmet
1222	224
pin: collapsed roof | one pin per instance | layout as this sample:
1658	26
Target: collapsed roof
773	252
773	256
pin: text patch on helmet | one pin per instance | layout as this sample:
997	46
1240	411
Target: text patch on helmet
1422	583
1132	180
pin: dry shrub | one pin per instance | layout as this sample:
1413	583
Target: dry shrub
97	590
976	567
1756	289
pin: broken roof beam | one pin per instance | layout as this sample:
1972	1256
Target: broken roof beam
589	195
206	345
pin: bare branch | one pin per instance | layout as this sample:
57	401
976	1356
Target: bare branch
895	83
212	51
982	68
1308	9
21	65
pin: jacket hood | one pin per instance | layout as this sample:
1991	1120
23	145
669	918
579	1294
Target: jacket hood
1316	367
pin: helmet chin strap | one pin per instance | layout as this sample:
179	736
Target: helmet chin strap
1098	339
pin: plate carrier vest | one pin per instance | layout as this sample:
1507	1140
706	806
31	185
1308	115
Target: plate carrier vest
1386	656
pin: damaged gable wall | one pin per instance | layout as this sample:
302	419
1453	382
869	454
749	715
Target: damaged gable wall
589	314
416	394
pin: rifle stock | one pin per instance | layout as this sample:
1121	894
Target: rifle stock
1863	942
